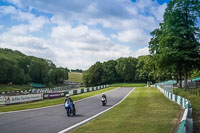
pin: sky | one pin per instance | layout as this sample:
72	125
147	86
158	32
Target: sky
77	33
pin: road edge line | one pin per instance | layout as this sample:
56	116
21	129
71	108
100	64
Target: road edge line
84	121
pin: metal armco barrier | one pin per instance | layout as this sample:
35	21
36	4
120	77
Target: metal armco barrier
186	124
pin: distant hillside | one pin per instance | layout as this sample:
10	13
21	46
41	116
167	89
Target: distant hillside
18	68
75	77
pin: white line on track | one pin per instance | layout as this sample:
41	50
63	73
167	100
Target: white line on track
84	121
52	105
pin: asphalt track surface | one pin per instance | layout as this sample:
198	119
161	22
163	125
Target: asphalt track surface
54	119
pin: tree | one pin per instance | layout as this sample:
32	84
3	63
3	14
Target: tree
93	76
195	73
38	71
86	78
110	74
67	71
126	68
18	68
144	68
60	74
77	70
176	44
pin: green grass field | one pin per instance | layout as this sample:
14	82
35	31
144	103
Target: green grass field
195	101
128	85
75	77
145	110
50	102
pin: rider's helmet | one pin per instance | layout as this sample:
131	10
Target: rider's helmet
67	95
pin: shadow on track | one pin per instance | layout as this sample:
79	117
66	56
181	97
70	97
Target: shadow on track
108	106
79	115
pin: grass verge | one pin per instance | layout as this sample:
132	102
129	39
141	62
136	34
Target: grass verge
50	102
128	85
144	110
195	101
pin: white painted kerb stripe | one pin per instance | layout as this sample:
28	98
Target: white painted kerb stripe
82	122
185	115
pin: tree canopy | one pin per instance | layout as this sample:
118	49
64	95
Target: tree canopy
19	68
175	44
141	69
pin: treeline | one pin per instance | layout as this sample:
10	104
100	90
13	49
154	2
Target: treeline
122	70
141	69
76	70
19	68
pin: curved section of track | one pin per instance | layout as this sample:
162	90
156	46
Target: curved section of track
54	119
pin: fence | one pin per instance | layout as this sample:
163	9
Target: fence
4	100
48	90
44	90
193	87
168	85
186	124
195	84
192	84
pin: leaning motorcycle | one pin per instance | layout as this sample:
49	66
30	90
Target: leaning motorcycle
70	109
104	101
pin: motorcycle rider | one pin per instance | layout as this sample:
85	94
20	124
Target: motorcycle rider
69	99
104	96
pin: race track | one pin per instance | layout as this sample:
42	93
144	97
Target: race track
54	119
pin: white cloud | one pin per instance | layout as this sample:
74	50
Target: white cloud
136	37
75	39
5	10
158	12
34	23
84	59
72	47
80	37
142	51
81	47
26	43
19	29
115	14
